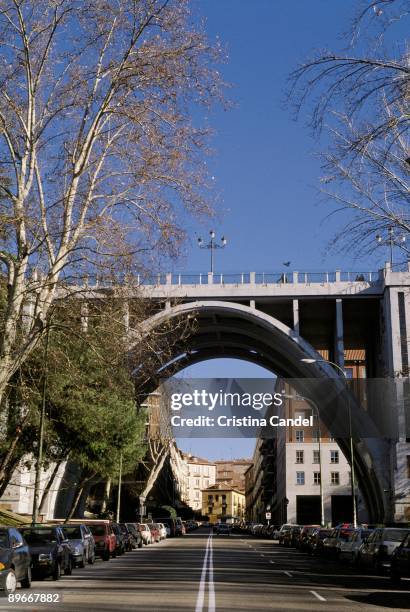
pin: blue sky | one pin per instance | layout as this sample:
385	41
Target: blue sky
265	166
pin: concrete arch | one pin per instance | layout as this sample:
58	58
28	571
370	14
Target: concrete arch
229	329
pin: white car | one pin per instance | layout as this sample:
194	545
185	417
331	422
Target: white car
162	531
349	548
145	533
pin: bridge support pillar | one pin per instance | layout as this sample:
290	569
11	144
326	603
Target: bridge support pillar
296	316
339	347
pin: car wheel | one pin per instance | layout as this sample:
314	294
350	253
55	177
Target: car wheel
140	544
82	562
106	555
57	571
10	584
69	569
114	553
26	582
91	559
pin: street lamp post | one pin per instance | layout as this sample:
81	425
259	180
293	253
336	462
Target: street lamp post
352	468
316	408
119	490
212	245
391	241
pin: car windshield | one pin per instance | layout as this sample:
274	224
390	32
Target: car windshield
72	533
4	540
39	536
394	535
98	530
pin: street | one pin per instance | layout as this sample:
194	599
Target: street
203	572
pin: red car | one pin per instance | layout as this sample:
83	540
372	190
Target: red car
104	537
156	536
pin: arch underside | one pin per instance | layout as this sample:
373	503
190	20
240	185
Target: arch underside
225	329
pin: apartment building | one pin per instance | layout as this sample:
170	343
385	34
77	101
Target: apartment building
201	475
223	503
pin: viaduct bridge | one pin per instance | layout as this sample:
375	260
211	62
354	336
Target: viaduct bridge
276	320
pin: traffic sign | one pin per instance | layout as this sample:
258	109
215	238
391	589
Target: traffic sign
268	516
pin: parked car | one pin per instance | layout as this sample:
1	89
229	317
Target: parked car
170	525
15	560
291	536
331	544
162	531
285	528
154	532
400	561
179	527
50	551
305	532
121	539
223	529
377	549
315	541
129	540
136	536
104	538
81	543
349	548
145	533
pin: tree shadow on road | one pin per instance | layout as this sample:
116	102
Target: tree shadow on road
397	601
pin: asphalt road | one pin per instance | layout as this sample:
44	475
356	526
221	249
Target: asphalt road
202	573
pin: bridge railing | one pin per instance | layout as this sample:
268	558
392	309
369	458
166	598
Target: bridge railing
261	278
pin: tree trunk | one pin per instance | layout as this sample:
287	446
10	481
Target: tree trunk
8	473
50	484
77	496
107	491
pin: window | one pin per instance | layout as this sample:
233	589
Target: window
316	478
210	498
300	478
300	435
331	439
196	494
206	470
316	435
316	456
299	456
206	483
197	482
334	478
334	456
216	497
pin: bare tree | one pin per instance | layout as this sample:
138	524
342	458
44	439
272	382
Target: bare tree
361	99
100	156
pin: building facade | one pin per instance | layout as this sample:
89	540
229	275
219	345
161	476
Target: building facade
223	503
232	472
201	475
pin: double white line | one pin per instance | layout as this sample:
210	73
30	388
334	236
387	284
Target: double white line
207	567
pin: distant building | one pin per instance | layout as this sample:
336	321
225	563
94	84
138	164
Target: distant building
232	472
201	475
223	503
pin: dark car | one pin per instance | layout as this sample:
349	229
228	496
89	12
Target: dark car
15	560
136	536
121	539
314	543
306	532
400	561
291	536
50	551
377	549
179	527
223	529
129	537
81	543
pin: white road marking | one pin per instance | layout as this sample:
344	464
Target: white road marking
319	597
207	566
288	574
211	587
